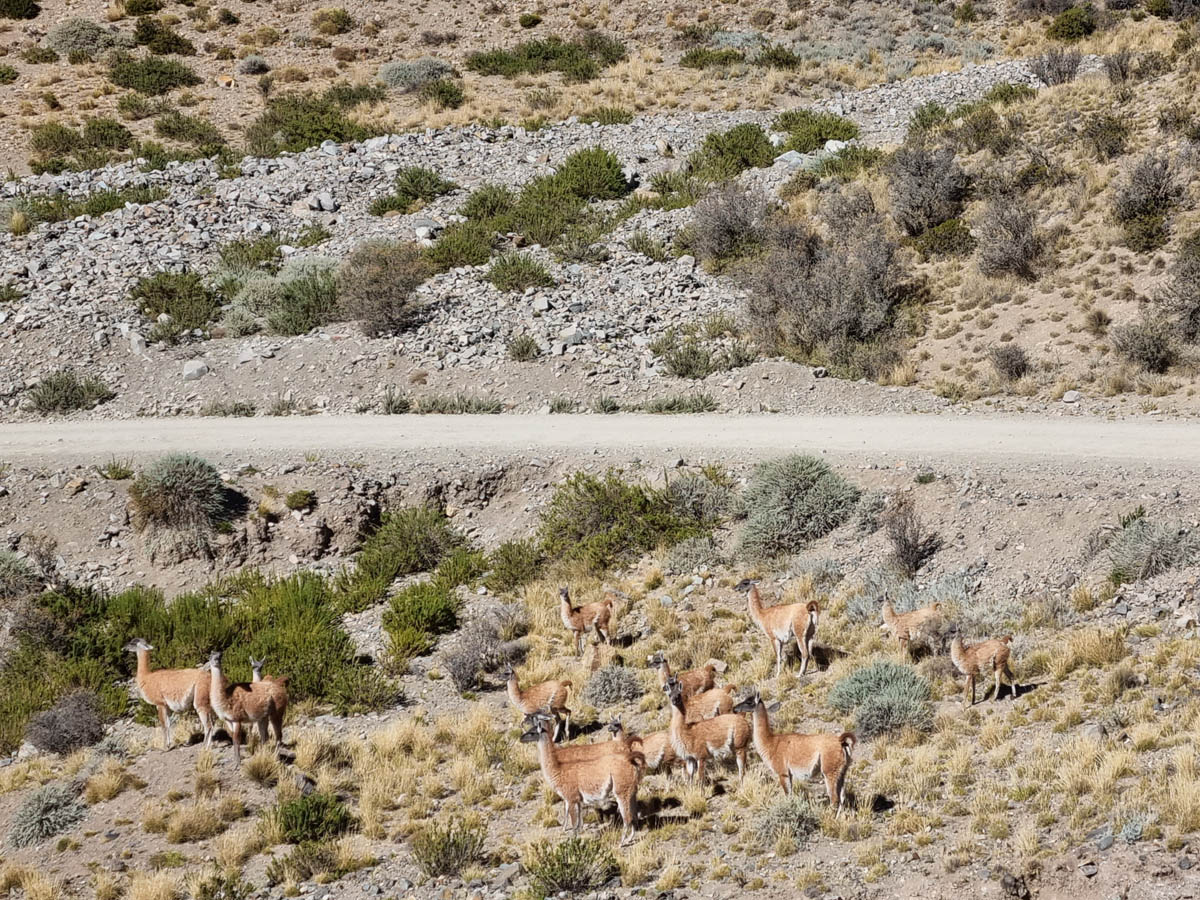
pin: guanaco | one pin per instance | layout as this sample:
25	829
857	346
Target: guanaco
596	615
910	626
783	623
987	658
246	703
607	777
710	704
549	696
792	755
657	750
696	743
173	691
694	681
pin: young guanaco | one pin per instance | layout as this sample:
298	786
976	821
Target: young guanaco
910	627
697	742
612	776
549	696
172	691
982	660
246	703
710	704
596	615
800	755
783	623
694	681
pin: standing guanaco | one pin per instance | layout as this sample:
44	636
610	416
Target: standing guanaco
549	696
697	742
804	755
611	776
987	658
910	627
694	681
246	703
596	615
657	750
172	691
782	623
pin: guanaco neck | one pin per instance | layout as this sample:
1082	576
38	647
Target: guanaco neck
143	664
764	738
664	672
546	757
514	690
754	602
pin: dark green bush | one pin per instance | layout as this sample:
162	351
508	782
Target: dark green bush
160	38
62	207
791	501
1106	134
332	20
142	7
774	56
19	9
1073	24
66	391
488	202
295	122
885	697
607	115
182	296
682	404
1144	199
706	58
462	244
447	849
808	131
1007	93
601	520
575	866
308	302
39	55
413	188
951	238
727	154
7	74
17	577
175	126
444	93
513	564
316	817
579	60
179	490
592	174
151	75
74	722
529	20
355	690
516	272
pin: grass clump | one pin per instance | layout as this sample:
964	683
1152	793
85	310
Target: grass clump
445	93
300	500
181	296
707	58
726	154
151	75
17	577
448	848
792	817
518	272
66	390
1144	548
179	490
576	865
459	405
523	348
578	61
808	130
792	501
414	187
607	115
48	811
316	817
682	404
885	697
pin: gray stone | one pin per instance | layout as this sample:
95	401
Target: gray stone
137	343
1072	397
194	369
791	159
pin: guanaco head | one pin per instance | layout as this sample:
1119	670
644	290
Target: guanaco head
137	645
257	664
214	661
658	661
565	596
615	726
675	691
749	704
541	725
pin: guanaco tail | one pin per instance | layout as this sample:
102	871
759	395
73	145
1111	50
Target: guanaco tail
596	616
549	697
801	755
987	658
611	776
783	623
247	703
173	691
697	742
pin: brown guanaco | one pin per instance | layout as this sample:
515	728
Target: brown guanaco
910	627
696	743
790	755
596	616
694	681
246	703
982	660
549	696
783	623
173	691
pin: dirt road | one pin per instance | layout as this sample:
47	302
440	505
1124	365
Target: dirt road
962	438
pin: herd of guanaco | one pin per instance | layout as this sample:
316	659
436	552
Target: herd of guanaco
707	723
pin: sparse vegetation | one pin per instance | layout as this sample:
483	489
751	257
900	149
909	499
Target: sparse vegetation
791	501
74	722
579	60
576	865
447	849
885	697
375	286
67	391
414	187
47	812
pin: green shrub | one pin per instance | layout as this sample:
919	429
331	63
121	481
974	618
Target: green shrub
517	272
413	188
39	55
375	286
808	131
160	38
523	348
601	520
950	238
228	409
445	93
17	578
607	115
302	499
19	9
1143	200
1072	24
529	20
682	404
447	849
848	163
316	817
307	302
512	565
774	56
489	202
706	58
1007	93
359	689
182	296
143	7
54	139
578	61
701	497
885	697
251	254
410	76
48	811
179	490
332	20
1143	549
295	122
462	244
62	207
459	405
792	501
66	391
1107	135
151	75
727	154
791	817
307	861
175	126
7	74
1149	341
612	685
576	865
592	174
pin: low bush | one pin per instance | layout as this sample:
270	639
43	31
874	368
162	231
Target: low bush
175	126
576	865
885	697
1007	93
307	301
517	272
693	553
414	187
808	130
1143	549
47	812
18	579
37	56
513	564
1008	241
701	498
529	20
1072	24
927	187
488	202
462	244
792	817
358	689
179	490
791	501
1010	361
592	174
78	35
445	93
607	115
774	56
730	224
1182	296
74	722
612	685
315	817
846	164
420	612
1106	134
1057	66
295	122
254	64
1149	342
19	9
1144	200
952	238
982	128
912	541
601	520
489	642
7	74
307	861
681	404
376	285
448	848
412	75
183	298
578	61
726	154
160	38
66	391
150	75
332	20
